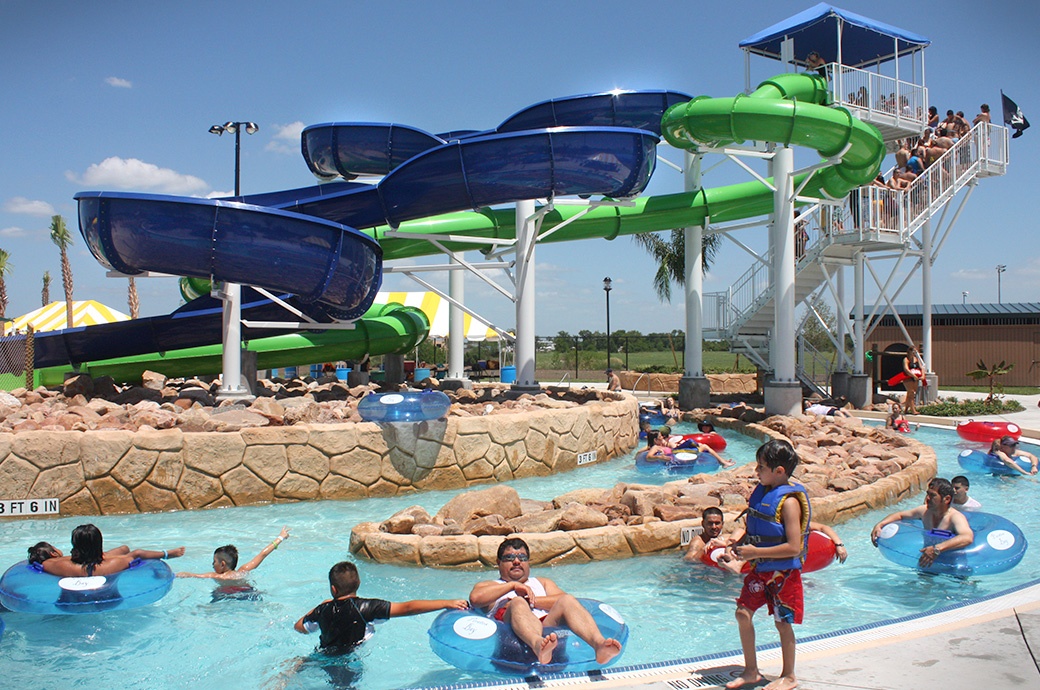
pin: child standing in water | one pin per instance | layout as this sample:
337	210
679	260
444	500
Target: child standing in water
777	529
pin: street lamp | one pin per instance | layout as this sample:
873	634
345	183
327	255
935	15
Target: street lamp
1000	269
606	289
231	357
236	129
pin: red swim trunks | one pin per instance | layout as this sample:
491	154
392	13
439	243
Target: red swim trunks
781	590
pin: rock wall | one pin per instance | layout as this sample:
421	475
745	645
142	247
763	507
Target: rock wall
148	470
721	384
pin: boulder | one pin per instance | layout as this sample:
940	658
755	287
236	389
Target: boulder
496	500
405	521
576	516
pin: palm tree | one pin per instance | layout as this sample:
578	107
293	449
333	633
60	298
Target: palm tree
670	254
61	237
132	298
5	268
45	296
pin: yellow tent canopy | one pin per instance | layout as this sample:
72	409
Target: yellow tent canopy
52	317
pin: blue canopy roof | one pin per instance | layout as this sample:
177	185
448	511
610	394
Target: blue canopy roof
864	41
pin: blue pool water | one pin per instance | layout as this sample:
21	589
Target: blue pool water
675	610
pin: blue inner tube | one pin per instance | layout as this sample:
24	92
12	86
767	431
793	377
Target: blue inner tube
473	641
977	461
27	589
682	462
407	406
999	545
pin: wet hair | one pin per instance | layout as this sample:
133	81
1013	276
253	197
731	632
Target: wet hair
651	437
88	548
512	543
932	110
706	423
984	107
40	552
228	555
344	577
777	453
942	486
712	511
949	113
961	479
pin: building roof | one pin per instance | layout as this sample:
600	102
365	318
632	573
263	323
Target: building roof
864	41
973	309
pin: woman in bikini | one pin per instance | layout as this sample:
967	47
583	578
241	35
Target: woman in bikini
913	367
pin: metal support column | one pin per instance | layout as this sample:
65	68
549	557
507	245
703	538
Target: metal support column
456	377
783	394
694	389
929	391
526	234
861	391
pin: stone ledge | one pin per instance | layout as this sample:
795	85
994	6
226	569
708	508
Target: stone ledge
108	472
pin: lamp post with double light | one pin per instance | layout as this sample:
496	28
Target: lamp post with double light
231	293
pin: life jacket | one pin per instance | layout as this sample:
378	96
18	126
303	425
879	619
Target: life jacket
765	526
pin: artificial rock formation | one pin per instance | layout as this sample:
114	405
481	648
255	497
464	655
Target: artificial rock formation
847	468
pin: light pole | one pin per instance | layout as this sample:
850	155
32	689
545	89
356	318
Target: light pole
964	297
1000	269
606	289
231	360
236	129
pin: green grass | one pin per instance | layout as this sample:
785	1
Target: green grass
1009	390
714	362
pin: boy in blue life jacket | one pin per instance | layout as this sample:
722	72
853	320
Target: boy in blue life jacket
777	532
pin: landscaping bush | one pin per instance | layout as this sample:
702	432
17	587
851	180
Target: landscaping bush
951	407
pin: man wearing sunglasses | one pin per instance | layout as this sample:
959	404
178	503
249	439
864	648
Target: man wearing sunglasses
529	604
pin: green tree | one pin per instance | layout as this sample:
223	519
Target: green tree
669	251
45	295
61	237
5	269
983	372
815	333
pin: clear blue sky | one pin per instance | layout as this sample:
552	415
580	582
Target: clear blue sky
120	95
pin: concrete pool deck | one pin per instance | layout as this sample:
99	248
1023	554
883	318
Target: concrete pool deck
988	643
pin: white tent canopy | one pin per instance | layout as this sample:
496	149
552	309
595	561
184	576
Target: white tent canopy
437	310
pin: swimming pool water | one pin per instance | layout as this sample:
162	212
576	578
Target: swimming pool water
675	610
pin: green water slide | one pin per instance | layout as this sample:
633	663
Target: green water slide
384	329
788	109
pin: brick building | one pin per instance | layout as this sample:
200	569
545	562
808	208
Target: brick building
962	334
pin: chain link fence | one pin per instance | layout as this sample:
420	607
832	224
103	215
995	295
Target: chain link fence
17	355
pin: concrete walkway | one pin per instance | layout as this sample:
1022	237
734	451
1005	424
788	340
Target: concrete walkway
988	643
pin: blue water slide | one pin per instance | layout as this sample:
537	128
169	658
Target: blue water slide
494	169
349	149
317	260
192	325
636	109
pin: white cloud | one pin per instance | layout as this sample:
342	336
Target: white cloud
131	173
119	83
13	231
286	138
29	207
973	274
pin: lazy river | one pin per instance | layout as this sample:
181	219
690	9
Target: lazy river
675	610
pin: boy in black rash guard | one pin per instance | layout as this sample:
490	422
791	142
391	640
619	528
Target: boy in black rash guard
345	619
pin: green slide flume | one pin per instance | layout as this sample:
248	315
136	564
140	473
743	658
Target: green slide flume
788	109
384	329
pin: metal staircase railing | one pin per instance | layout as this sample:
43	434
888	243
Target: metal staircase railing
871	213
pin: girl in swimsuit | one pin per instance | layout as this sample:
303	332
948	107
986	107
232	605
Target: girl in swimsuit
914	370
